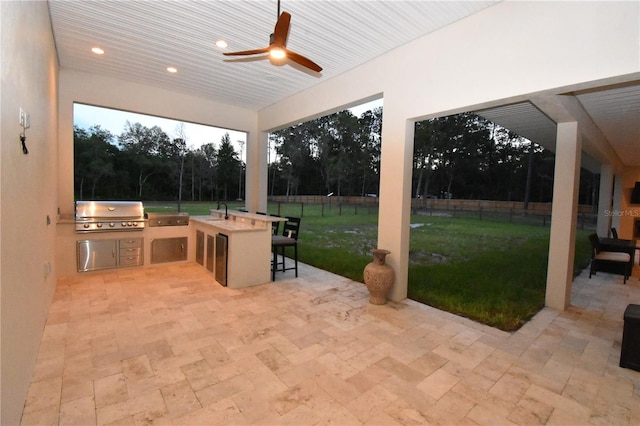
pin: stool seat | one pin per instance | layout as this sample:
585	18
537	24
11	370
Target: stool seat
613	256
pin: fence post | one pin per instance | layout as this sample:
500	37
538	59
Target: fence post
301	209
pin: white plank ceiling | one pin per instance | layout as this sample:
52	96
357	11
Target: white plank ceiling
142	38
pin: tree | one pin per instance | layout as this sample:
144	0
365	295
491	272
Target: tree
93	158
227	166
369	137
180	147
143	147
209	163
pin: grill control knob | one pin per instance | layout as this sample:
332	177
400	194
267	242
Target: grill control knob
99	225
111	224
135	223
129	223
124	224
86	225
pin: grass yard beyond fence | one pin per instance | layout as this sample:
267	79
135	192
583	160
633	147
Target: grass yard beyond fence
491	271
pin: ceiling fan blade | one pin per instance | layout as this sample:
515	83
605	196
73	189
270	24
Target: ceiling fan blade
247	52
281	30
305	62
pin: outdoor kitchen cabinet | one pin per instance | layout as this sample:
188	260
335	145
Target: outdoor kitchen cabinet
237	250
168	249
130	251
98	254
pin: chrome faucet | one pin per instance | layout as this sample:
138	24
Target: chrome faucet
226	213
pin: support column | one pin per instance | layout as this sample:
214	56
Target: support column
257	172
395	195
603	222
564	214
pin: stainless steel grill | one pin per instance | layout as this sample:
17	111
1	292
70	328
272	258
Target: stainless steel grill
167	219
104	216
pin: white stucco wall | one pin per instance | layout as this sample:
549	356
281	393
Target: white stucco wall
28	195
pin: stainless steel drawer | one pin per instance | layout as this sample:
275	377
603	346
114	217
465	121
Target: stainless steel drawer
129	251
130	243
131	260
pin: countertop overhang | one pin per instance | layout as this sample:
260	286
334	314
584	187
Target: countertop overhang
237	221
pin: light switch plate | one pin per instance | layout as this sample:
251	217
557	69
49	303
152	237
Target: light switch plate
25	119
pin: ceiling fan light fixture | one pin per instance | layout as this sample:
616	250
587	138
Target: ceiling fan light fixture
276	50
277	53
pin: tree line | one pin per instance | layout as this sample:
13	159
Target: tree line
144	163
461	156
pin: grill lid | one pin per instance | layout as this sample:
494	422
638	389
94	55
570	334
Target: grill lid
93	210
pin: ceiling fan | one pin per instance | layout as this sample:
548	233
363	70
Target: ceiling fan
277	49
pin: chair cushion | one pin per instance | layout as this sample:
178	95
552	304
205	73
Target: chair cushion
280	240
612	256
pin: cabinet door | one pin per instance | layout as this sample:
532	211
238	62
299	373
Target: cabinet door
200	247
210	243
97	254
222	246
168	249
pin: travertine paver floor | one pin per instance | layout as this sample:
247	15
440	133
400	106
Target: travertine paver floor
167	345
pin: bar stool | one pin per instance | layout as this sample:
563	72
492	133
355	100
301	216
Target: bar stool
279	244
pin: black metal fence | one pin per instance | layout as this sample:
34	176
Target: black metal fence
514	212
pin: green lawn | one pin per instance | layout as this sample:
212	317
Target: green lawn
491	271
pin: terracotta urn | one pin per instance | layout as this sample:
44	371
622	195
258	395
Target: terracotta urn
378	277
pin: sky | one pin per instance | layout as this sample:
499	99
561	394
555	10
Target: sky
114	121
86	116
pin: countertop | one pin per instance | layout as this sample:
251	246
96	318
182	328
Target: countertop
234	223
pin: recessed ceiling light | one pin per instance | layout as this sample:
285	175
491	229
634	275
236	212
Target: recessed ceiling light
172	70
221	44
97	51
